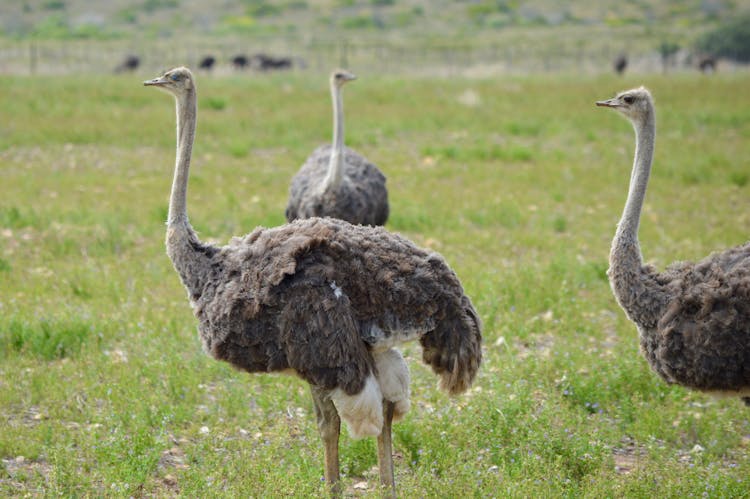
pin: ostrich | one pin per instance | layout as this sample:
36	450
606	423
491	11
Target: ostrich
325	300
336	181
620	64
263	62
129	63
207	62
693	319
707	64
239	61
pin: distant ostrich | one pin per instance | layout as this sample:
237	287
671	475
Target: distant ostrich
239	61
130	63
263	62
620	64
336	181
707	64
325	300
693	319
207	63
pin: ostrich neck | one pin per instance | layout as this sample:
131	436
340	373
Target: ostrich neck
336	163
625	245
186	119
637	287
190	257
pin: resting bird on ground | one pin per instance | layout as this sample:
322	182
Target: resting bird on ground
693	319
336	181
325	300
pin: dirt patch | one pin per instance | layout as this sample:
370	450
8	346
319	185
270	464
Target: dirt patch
538	345
170	463
20	472
627	455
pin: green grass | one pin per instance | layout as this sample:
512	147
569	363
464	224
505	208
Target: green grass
104	390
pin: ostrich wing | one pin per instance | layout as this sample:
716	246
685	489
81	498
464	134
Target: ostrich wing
320	336
704	334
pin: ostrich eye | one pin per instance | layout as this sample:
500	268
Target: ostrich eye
175	77
628	99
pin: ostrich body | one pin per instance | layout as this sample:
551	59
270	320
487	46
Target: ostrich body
620	64
707	64
130	63
207	62
336	181
693	319
239	61
325	300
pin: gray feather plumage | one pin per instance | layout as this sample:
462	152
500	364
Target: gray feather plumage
693	319
362	197
318	295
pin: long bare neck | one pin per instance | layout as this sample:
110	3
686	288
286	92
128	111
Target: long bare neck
625	244
636	286
336	163
190	257
186	119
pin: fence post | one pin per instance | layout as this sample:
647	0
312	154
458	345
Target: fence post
344	54
32	57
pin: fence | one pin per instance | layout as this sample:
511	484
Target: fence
486	57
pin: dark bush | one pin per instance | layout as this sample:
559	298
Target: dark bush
731	40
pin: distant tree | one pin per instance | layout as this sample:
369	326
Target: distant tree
730	39
261	8
667	50
54	5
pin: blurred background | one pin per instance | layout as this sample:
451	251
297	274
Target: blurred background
437	37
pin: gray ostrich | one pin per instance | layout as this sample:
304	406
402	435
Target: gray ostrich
325	300
693	319
336	181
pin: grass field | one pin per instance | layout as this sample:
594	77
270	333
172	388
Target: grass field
518	182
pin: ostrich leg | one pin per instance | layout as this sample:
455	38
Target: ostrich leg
329	426
385	451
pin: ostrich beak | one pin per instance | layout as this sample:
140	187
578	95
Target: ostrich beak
607	103
155	82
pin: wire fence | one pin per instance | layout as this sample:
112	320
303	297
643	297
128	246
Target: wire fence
320	55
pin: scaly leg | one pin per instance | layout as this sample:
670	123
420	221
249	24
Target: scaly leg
329	426
385	450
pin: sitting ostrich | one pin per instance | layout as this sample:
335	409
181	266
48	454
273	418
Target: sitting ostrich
336	181
264	62
325	300
693	319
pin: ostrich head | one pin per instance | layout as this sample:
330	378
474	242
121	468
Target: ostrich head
635	104
177	81
341	76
